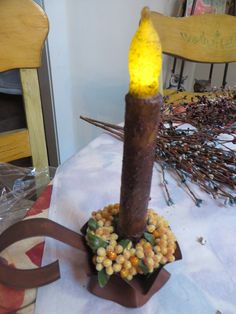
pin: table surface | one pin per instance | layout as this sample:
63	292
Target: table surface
203	282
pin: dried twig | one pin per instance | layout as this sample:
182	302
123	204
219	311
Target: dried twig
196	155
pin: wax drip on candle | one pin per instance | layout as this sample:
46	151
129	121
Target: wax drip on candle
145	59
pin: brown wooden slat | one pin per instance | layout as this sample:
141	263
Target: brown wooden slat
14	145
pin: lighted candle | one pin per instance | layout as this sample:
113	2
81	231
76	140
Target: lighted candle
141	124
145	59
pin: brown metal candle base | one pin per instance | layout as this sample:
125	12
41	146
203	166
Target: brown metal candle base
133	293
123	293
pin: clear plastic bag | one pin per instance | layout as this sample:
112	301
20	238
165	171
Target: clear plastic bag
19	188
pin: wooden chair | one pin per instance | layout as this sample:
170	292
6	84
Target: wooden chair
208	38
23	30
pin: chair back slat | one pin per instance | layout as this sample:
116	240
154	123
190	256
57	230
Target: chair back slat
34	117
208	38
14	145
27	25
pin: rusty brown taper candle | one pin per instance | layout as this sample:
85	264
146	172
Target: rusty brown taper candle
141	124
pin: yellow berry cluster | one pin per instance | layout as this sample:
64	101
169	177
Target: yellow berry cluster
156	248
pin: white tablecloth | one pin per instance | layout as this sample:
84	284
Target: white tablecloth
204	282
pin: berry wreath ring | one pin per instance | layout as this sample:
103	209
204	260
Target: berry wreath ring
114	255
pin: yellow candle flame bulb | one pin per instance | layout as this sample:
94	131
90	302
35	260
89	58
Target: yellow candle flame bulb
145	59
